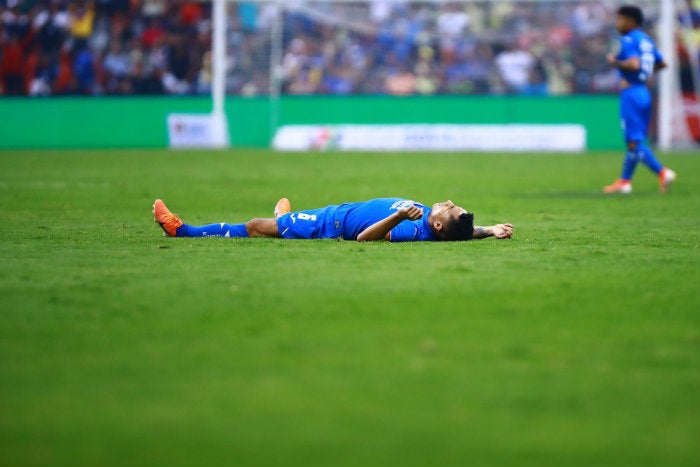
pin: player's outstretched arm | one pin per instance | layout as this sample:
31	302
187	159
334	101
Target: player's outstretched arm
499	231
380	230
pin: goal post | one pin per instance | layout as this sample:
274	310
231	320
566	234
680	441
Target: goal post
667	80
218	47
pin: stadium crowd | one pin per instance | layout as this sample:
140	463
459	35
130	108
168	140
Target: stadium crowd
125	47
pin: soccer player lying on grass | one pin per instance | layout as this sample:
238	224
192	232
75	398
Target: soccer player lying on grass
391	219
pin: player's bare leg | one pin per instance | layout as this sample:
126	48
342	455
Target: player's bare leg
262	228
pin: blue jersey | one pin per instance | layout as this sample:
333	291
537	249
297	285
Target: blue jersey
637	44
348	220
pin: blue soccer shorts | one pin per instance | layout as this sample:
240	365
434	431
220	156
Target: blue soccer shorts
635	112
315	223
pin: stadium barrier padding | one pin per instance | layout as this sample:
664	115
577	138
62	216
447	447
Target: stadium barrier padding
140	122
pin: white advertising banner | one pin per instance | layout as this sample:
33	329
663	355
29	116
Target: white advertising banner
197	131
432	137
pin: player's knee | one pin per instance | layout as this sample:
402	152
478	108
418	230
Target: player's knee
261	228
253	228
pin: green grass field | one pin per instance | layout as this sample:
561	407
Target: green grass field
576	343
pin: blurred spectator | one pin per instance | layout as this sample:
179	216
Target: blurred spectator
337	80
472	71
84	71
204	76
295	59
153	8
190	13
146	81
589	18
514	65
248	14
12	70
153	32
44	76
65	81
537	81
51	26
427	81
452	22
117	66
81	17
401	83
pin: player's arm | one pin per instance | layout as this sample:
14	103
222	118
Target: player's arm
499	231
628	64
660	65
380	230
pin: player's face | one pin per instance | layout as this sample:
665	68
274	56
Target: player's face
623	24
447	210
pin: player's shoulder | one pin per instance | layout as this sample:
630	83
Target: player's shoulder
638	35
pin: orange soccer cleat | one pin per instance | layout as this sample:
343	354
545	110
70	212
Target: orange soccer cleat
618	186
167	220
282	207
666	178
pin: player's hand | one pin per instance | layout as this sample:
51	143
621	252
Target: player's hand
503	231
411	213
611	60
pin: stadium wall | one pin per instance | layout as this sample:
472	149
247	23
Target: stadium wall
140	122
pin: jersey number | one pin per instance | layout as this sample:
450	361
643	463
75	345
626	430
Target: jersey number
647	60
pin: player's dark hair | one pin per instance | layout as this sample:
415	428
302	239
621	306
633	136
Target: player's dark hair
461	228
632	11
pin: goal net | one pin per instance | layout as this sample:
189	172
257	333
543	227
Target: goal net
277	49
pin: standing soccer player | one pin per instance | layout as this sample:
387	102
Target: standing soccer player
637	60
